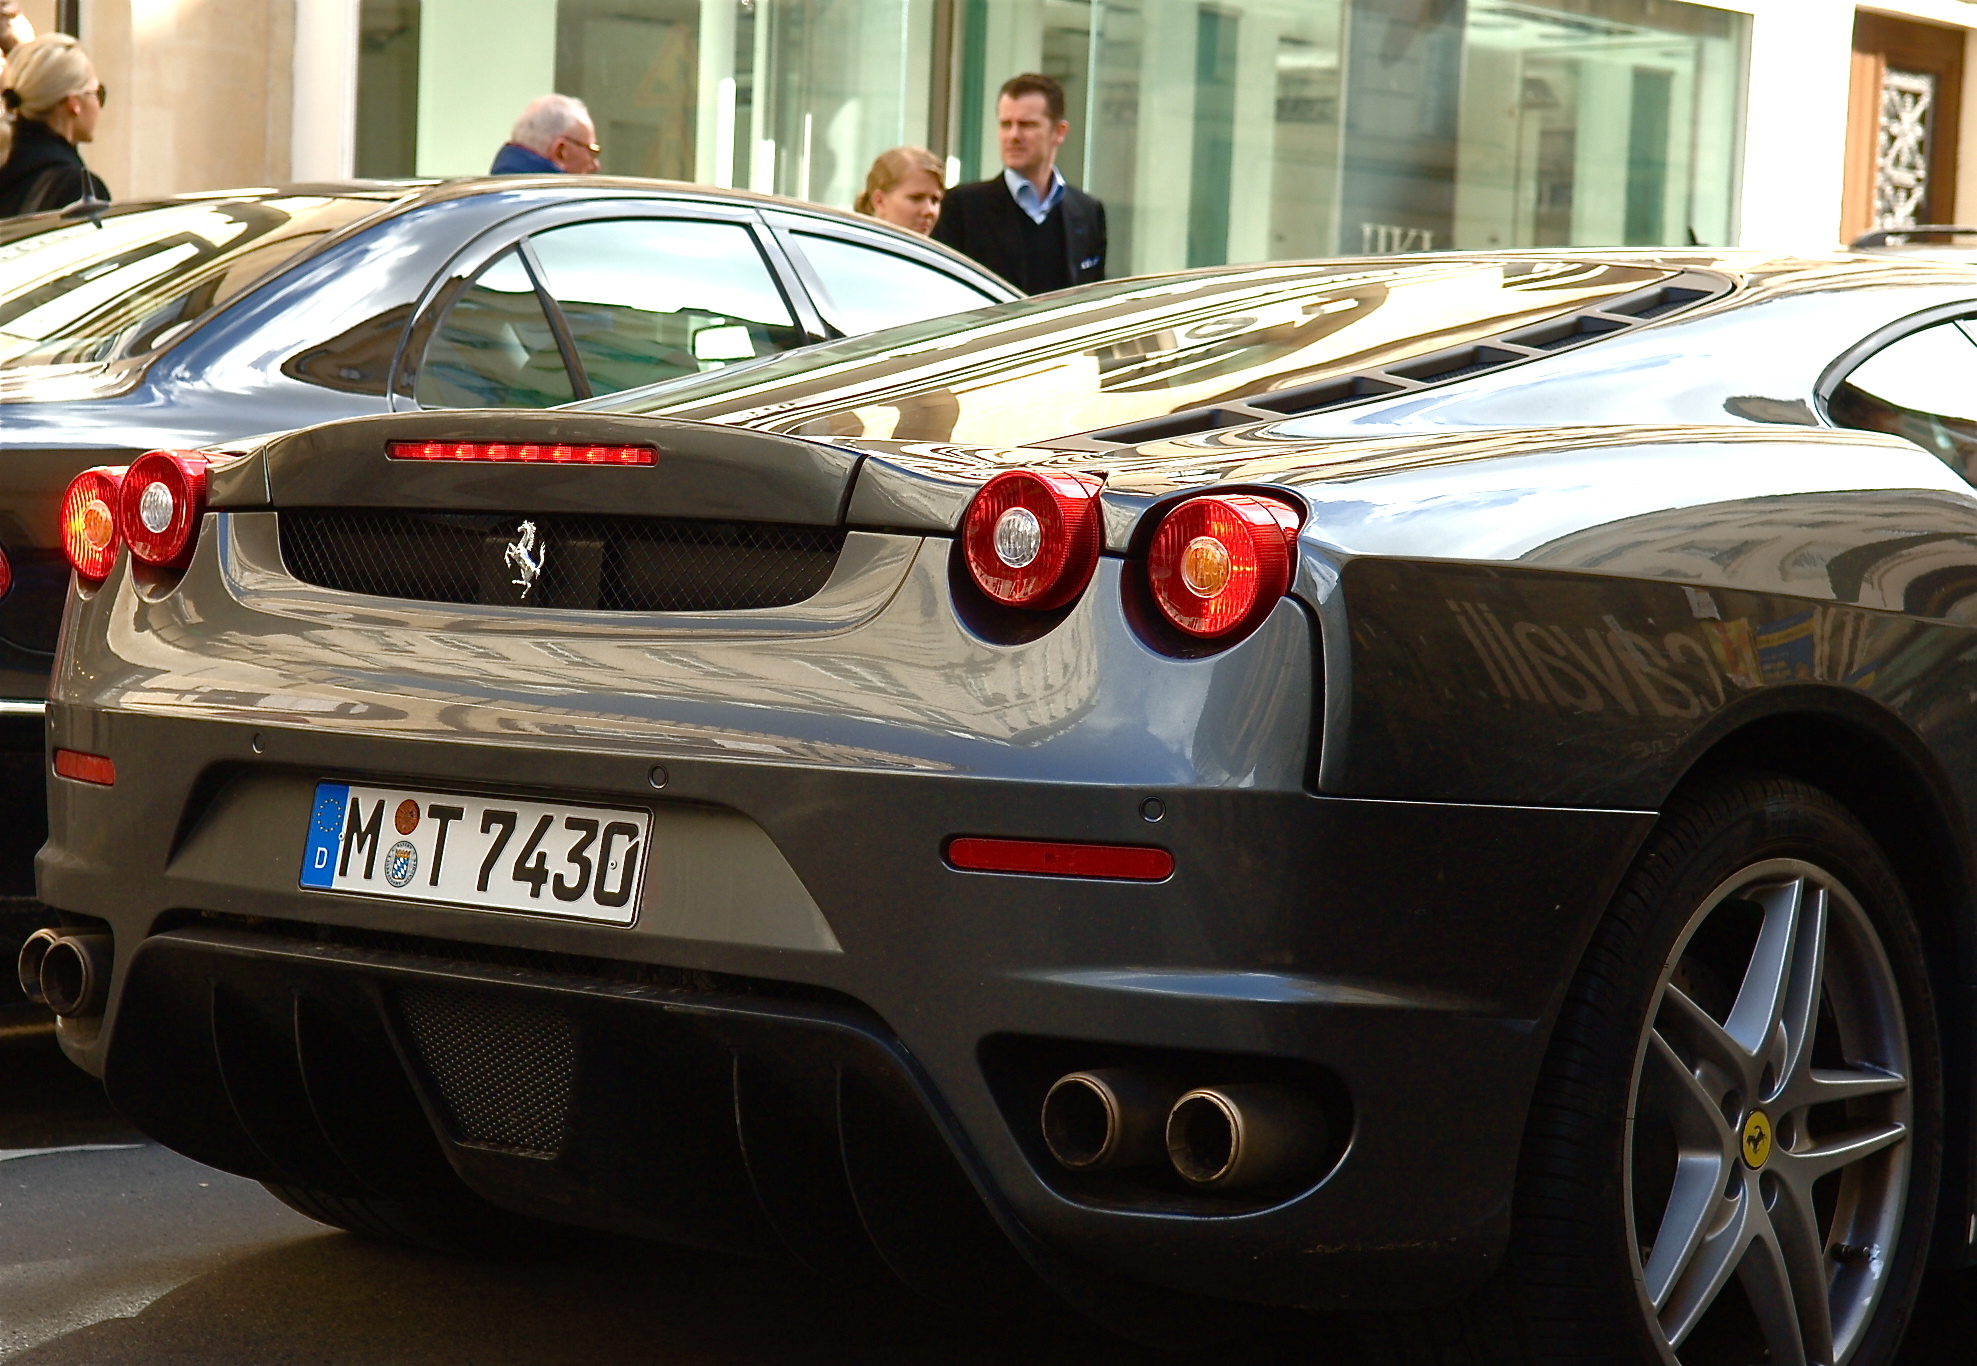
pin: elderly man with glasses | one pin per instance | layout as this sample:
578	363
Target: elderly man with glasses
554	136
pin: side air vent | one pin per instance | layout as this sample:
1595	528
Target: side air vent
1309	398
1447	365
583	562
1558	335
1656	303
1179	424
1684	290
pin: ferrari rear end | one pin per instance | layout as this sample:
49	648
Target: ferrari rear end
903	858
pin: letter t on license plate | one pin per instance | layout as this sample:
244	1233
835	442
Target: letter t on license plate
488	853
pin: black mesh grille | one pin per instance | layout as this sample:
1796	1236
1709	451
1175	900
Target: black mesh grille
505	1065
619	564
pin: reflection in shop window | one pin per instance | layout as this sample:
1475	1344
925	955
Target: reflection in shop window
1603	122
636	66
1214	130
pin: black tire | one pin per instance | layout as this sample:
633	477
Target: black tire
1573	1289
464	1228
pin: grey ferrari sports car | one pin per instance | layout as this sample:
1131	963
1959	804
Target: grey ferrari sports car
214	317
1435	788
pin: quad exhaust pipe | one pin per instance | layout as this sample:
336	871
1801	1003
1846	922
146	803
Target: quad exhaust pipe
67	972
1219	1138
1249	1134
1107	1119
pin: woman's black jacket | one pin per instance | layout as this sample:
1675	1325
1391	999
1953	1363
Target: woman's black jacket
44	171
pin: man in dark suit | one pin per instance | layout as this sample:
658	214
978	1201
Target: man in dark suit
1027	225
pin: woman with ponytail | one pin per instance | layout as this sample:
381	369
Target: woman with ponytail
52	100
904	188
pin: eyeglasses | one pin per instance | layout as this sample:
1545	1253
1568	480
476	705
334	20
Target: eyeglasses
590	147
101	92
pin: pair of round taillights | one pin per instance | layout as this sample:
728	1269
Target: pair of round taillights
152	505
1216	564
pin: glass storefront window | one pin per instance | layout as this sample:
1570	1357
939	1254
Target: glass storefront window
1596	123
1280	129
1216	131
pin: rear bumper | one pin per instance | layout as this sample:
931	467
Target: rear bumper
1410	954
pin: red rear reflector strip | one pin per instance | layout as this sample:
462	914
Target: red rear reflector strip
513	453
1136	862
85	768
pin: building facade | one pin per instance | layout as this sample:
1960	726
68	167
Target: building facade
1215	130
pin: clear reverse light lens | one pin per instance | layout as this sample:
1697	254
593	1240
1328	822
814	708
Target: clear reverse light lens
1018	537
155	508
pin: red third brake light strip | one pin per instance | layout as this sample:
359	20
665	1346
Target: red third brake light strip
1134	862
517	453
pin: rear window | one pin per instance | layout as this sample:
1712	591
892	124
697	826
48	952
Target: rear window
125	282
1129	350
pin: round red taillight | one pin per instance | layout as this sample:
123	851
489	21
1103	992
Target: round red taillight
1032	537
1219	564
89	522
164	493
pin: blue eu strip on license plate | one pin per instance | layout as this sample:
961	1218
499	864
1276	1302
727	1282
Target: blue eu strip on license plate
490	853
325	833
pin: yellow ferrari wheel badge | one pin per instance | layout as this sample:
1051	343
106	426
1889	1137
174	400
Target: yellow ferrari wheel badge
1757	1140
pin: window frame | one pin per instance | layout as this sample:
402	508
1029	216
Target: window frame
1838	375
1880	339
446	286
557	328
787	226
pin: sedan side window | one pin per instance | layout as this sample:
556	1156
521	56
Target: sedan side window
1924	388
649	299
870	288
496	348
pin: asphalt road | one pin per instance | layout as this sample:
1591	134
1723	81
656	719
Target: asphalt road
116	1252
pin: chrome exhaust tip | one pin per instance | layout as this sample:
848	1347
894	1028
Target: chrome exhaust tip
75	974
1249	1134
28	965
1106	1119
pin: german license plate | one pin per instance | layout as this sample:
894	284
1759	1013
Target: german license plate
490	853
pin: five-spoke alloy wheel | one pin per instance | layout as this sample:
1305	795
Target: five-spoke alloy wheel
1768	1149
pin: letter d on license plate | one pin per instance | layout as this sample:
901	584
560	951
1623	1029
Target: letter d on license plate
488	853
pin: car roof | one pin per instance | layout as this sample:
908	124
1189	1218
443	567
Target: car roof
401	196
397	197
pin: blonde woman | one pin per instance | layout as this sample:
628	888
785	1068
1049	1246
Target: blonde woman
904	188
52	100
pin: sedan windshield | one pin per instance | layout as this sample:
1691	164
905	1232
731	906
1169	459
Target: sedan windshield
128	280
1087	359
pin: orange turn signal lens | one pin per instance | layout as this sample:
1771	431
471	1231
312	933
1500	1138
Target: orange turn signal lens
89	522
85	768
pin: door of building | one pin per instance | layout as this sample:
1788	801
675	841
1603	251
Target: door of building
1901	124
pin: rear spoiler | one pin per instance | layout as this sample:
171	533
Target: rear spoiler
698	470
